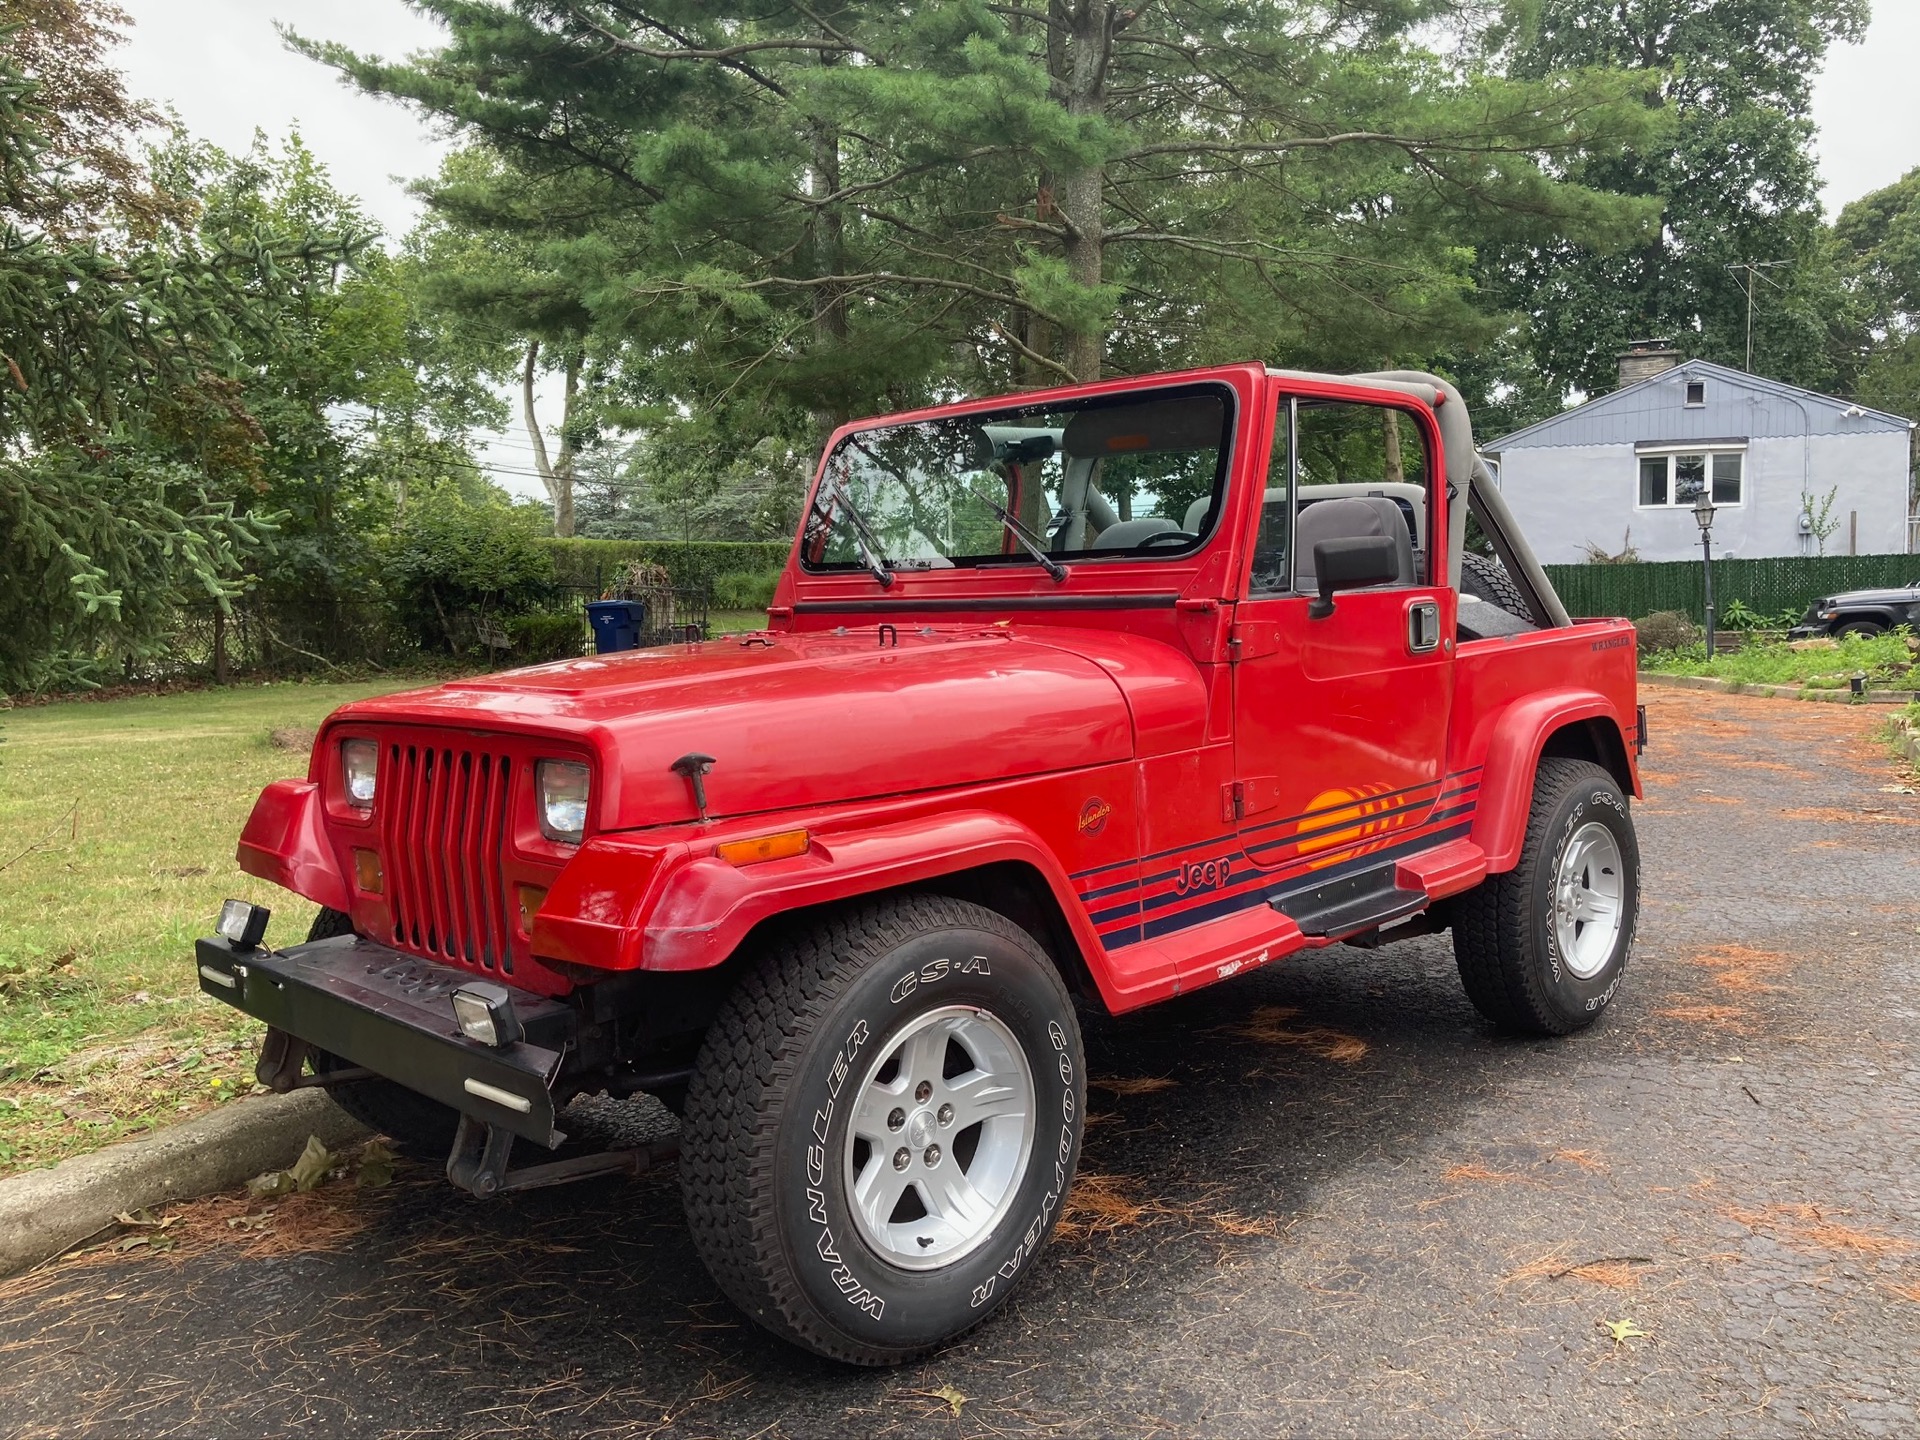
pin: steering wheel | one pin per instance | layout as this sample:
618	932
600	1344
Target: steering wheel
1179	537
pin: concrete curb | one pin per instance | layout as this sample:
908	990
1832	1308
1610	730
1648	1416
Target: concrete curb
1772	692
44	1212
1906	740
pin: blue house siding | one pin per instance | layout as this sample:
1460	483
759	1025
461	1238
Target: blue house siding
1573	480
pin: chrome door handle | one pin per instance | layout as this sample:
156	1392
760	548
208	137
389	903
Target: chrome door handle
1423	627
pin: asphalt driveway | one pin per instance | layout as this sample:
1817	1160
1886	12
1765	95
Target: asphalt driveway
1324	1199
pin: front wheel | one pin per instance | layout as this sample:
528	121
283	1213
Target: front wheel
882	1124
1865	629
1542	947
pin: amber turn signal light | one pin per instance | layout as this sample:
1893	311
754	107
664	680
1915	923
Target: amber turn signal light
366	871
783	846
532	897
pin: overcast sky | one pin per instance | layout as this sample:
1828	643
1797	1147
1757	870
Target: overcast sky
222	67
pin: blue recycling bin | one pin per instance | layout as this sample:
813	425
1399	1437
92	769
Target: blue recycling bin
617	624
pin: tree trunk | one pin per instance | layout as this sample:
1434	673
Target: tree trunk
1390	421
556	477
562	486
1079	74
829	248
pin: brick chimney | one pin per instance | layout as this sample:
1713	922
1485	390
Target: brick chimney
1643	359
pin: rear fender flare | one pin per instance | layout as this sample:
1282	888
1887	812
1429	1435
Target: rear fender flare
1513	758
682	909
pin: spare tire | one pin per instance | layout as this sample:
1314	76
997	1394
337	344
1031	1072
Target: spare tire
1486	578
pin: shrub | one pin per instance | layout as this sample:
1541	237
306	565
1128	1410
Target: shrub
745	589
454	564
1666	630
547	635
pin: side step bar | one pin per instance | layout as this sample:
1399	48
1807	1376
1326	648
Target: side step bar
1351	904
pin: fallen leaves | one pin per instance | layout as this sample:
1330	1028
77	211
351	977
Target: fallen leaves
303	1175
1810	1225
1139	1085
1741	968
1269	1026
1730	1018
1836	816
1102	1204
1585	1159
1622	1331
1473	1173
1615	1272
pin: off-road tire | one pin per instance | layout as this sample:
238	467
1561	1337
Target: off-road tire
1503	933
1866	629
418	1126
766	1196
1486	577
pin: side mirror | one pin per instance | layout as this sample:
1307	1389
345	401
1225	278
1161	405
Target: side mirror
1352	564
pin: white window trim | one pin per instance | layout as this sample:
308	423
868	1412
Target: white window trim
1708	449
1686	389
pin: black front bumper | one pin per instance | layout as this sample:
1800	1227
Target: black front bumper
392	1013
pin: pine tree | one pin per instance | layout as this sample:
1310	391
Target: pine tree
810	211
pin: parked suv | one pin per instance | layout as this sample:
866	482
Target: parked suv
1860	612
1090	697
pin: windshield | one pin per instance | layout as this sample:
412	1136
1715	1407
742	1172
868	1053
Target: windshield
1137	474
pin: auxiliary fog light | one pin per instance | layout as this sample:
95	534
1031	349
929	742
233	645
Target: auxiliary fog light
485	1013
243	924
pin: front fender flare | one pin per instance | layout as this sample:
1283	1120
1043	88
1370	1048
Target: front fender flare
627	903
285	842
1513	759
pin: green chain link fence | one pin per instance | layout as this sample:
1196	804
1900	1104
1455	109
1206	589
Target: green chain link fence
1766	586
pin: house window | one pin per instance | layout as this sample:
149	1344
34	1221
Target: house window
1696	393
1677	480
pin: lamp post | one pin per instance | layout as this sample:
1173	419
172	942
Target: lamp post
1703	516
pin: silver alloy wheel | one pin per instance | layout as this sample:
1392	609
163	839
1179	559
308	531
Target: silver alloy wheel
1588	904
933	1160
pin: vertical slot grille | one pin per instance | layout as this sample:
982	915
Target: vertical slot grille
444	826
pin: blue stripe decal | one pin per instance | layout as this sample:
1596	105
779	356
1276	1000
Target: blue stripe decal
1164	854
1201	914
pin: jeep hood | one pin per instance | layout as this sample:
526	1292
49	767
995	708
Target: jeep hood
797	720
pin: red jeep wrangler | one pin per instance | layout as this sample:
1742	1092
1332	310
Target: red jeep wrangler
1100	693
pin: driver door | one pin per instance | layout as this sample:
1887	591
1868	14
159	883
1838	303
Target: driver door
1340	722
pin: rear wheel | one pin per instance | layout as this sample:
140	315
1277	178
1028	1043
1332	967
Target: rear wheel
1542	947
881	1126
421	1127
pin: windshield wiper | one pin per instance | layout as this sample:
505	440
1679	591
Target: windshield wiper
1028	540
871	554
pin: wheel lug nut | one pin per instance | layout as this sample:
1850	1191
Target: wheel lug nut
923	1091
902	1158
896	1119
932	1156
944	1114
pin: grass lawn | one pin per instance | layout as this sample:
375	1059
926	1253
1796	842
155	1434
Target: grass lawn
117	828
1883	658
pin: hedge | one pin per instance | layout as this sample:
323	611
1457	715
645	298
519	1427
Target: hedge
694	565
1766	586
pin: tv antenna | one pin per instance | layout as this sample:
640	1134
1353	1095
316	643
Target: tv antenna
1753	267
